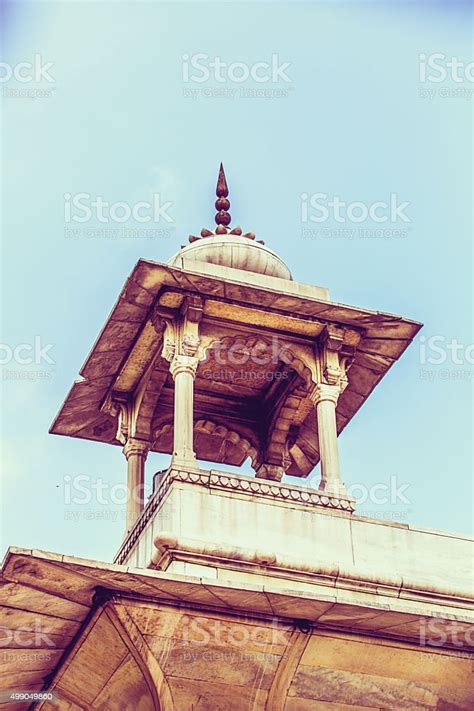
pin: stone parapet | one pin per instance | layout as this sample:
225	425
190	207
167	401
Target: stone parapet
253	488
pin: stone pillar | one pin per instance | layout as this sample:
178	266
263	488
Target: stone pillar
183	369
325	398
136	452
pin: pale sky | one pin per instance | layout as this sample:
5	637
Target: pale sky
345	114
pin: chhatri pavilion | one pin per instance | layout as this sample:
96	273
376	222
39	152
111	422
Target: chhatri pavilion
232	592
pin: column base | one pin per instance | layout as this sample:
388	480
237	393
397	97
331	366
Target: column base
273	472
336	488
184	461
130	521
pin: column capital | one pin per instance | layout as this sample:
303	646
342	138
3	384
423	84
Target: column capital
184	364
136	446
323	392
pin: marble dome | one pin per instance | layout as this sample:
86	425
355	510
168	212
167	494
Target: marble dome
228	247
235	251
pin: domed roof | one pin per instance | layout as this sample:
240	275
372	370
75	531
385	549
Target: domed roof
228	247
234	251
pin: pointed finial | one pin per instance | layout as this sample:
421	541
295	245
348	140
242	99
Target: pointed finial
222	203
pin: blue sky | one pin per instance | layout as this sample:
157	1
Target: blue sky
350	118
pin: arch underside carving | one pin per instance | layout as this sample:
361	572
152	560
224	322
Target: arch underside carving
148	656
251	401
109	670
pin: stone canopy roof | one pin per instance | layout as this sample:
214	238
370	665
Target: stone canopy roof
250	313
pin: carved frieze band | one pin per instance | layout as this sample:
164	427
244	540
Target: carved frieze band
258	487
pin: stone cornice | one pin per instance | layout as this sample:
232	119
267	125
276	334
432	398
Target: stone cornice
321	572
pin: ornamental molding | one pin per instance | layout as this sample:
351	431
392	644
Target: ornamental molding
325	393
136	446
183	364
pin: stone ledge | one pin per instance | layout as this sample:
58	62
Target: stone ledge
170	547
75	580
223	481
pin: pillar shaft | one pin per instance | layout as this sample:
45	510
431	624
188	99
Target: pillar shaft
183	370
325	398
136	452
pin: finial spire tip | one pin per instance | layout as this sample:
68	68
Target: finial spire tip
222	203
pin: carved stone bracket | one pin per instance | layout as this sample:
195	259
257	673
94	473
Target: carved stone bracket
346	358
331	341
192	309
338	346
122	411
181	336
